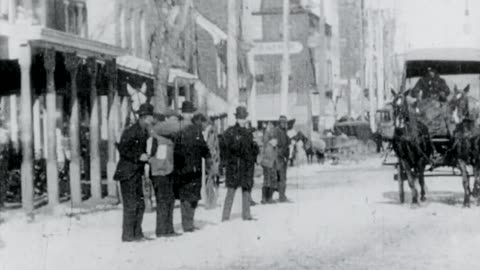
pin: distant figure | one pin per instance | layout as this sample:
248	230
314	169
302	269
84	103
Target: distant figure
269	164
129	172
431	86
282	156
300	155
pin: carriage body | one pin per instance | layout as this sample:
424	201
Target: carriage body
458	67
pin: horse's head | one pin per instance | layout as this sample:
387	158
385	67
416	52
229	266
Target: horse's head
461	107
400	108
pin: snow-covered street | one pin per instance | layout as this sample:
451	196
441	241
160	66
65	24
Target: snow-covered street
342	217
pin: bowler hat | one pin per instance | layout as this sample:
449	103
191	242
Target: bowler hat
145	109
283	118
241	113
187	107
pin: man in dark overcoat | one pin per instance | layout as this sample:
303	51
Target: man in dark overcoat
129	172
431	86
240	153
283	152
190	147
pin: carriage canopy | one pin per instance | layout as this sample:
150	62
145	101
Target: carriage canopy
447	61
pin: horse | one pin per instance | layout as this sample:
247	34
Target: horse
412	145
466	115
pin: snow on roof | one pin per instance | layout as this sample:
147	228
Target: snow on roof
443	54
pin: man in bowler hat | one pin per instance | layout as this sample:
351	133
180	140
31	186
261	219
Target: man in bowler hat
129	172
190	147
240	153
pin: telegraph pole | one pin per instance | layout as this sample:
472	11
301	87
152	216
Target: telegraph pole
286	59
232	60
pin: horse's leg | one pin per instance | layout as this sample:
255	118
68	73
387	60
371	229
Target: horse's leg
411	181
476	184
421	180
466	183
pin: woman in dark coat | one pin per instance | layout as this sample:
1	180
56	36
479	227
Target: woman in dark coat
240	154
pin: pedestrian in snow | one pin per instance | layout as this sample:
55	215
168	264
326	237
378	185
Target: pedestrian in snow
252	166
212	166
159	169
129	172
283	152
3	163
190	148
240	156
269	164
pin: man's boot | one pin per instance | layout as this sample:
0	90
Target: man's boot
269	193
264	195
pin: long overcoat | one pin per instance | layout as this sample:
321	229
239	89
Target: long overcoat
132	145
190	147
240	154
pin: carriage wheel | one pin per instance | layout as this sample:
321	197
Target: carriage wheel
401	190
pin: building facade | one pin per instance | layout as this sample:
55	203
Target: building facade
267	60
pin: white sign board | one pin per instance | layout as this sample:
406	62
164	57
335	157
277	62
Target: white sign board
267	48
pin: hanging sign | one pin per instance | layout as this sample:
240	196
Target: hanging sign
267	48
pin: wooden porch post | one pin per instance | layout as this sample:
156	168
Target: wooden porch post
14	121
25	62
52	168
112	124
175	101
95	169
188	93
37	127
72	62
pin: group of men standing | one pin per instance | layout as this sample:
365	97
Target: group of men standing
169	154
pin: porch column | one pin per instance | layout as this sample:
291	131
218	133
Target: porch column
12	10
66	4
25	62
95	169
37	127
188	93
14	121
72	62
175	101
124	114
114	103
51	99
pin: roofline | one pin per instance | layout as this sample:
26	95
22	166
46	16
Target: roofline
442	54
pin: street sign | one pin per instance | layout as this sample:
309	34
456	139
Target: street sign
268	48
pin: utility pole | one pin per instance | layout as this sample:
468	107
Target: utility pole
232	60
286	59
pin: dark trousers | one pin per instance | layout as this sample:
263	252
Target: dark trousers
187	209
227	207
3	179
163	186
282	182
133	208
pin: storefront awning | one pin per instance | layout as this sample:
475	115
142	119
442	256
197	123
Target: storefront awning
178	74
136	65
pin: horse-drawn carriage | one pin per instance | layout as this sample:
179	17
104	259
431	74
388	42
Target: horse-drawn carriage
439	131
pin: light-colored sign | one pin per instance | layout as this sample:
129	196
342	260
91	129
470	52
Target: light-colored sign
264	48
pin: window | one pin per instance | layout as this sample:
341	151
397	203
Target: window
123	38
221	74
143	35
329	74
133	44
